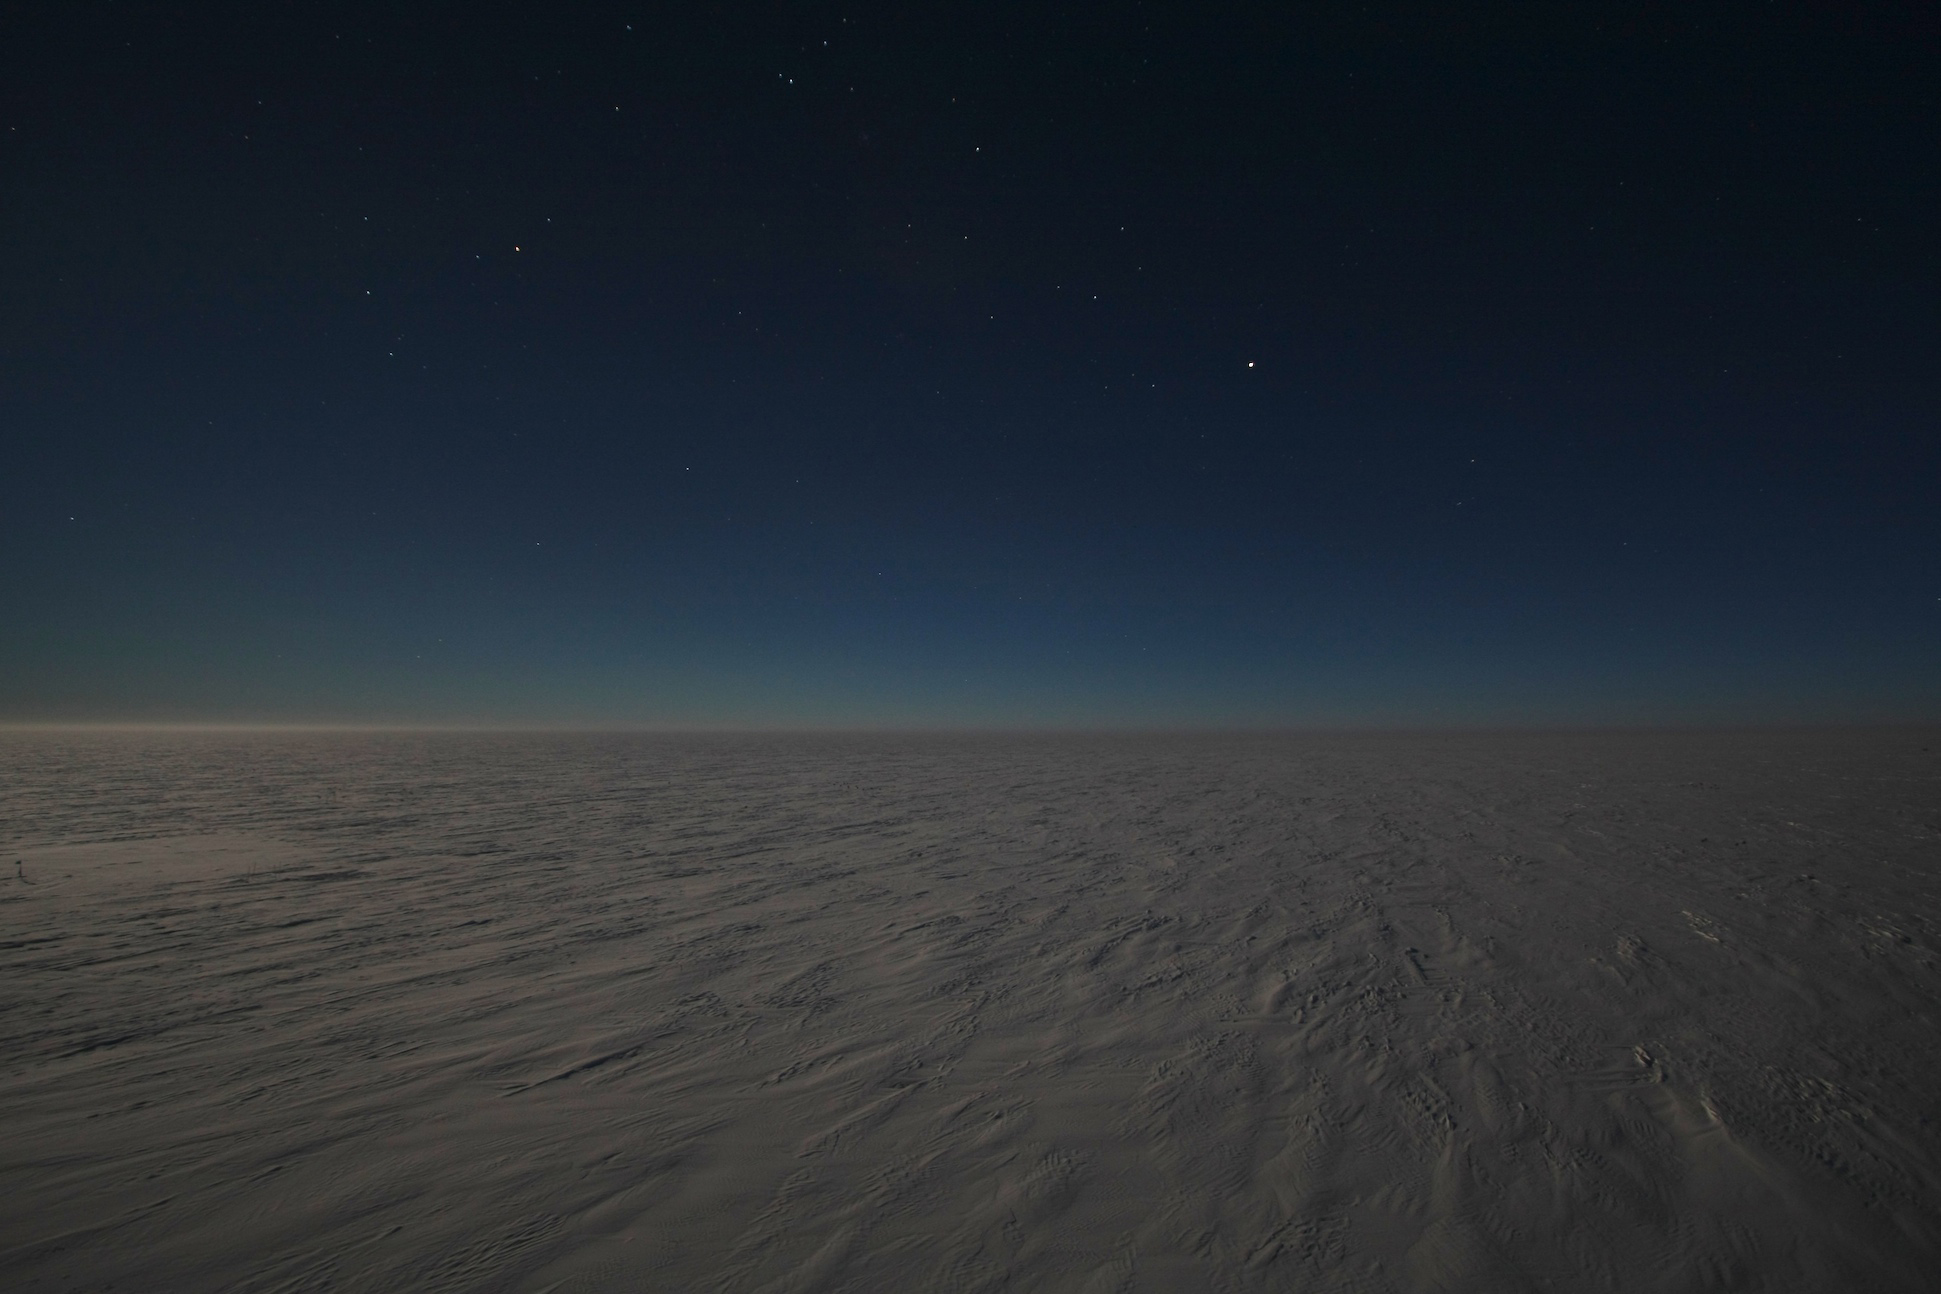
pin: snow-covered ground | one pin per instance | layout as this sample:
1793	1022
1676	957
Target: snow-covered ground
390	1011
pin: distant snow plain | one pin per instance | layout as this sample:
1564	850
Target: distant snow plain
287	1011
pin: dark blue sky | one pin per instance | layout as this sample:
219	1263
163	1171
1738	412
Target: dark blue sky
1137	364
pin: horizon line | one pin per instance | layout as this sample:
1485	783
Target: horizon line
563	727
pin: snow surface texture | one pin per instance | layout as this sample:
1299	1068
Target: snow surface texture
467	1012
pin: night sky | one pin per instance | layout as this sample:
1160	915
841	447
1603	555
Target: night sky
1119	365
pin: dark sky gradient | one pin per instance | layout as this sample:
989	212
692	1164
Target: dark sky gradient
1121	365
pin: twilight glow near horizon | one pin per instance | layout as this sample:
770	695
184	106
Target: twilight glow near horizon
827	366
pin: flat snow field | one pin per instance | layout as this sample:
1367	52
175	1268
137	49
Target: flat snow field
366	1011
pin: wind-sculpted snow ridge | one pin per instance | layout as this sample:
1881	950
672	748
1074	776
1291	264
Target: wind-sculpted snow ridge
447	1012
